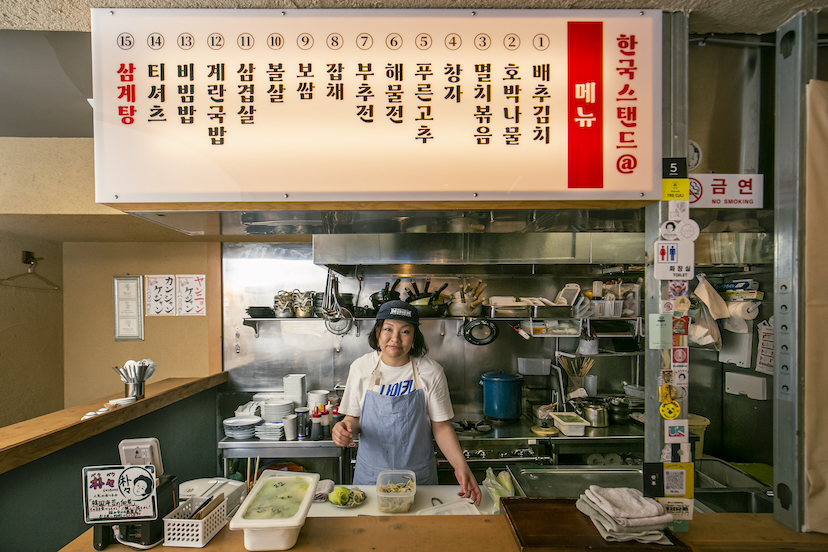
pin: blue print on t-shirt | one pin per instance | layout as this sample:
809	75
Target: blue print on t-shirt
399	388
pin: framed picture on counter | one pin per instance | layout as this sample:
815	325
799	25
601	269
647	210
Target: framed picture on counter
127	304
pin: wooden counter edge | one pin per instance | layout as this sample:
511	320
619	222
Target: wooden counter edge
708	533
32	439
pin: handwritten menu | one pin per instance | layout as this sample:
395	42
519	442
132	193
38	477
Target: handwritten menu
160	294
191	296
114	493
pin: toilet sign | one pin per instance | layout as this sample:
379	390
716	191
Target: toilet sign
674	260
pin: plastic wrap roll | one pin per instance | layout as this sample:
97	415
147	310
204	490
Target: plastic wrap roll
595	460
743	309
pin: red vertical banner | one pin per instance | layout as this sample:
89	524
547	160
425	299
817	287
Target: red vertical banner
585	95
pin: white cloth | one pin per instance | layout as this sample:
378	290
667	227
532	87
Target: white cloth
589	508
323	489
624	502
398	381
657	537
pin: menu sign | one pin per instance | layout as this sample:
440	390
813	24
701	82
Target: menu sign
309	105
119	493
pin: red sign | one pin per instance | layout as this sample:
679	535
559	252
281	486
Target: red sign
586	99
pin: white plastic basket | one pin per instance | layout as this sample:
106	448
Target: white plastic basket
608	309
179	530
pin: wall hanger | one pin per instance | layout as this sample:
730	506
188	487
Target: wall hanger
29	259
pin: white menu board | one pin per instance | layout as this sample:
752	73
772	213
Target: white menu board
160	292
191	295
310	105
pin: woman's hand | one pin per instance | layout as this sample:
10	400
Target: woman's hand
344	432
468	484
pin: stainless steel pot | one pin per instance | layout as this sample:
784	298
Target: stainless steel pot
596	414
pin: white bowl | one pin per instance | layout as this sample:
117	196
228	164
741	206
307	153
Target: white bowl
274	533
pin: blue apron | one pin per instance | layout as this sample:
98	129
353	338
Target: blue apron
395	434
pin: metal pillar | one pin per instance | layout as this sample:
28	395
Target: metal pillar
796	43
674	143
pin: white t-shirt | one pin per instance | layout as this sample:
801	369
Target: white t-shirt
396	381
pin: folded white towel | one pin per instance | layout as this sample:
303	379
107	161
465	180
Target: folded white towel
656	537
624	502
323	489
589	508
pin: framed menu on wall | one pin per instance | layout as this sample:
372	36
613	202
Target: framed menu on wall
369	105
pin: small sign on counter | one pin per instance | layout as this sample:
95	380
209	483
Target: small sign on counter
119	493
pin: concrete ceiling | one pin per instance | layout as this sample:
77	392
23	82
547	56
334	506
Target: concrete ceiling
706	16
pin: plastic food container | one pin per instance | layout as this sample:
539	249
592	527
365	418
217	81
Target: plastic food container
395	503
534	366
462	507
275	533
570	424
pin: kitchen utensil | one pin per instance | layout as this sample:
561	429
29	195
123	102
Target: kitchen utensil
480	331
591	385
502	395
592	411
619	410
134	389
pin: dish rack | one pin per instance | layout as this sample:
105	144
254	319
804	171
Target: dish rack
180	530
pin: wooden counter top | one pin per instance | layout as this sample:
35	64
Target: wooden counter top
27	441
708	533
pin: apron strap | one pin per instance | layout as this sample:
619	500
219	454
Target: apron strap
375	375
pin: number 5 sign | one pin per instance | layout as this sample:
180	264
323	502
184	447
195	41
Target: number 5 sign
733	191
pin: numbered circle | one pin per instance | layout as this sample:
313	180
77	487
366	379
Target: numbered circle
125	41
275	41
185	41
364	41
453	41
423	41
335	41
393	41
305	41
482	41
155	41
541	42
511	41
245	41
215	41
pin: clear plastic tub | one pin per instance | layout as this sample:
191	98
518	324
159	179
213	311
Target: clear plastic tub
534	366
275	533
570	424
395	503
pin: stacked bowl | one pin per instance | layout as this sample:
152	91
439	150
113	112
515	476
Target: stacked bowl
241	427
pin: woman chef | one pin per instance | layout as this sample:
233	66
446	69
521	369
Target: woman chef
396	399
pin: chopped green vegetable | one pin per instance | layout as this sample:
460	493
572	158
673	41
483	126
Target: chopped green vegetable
339	496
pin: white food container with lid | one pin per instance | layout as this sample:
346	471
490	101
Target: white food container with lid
395	503
275	533
570	424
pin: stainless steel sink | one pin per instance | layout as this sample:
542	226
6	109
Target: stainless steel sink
572	481
709	501
715	473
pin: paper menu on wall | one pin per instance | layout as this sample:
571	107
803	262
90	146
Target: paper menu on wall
191	295
160	294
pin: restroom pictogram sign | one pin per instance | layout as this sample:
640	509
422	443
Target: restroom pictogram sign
674	260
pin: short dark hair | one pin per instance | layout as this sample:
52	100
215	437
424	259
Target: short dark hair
418	349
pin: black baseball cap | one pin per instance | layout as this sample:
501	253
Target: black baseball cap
398	310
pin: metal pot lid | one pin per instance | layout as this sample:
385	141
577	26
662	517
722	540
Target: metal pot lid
502	376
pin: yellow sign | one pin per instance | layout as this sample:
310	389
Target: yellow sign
670	411
675	189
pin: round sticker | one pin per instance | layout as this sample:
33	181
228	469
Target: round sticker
668	230
682	304
694	156
670	410
687	230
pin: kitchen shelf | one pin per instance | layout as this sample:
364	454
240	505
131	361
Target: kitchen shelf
604	354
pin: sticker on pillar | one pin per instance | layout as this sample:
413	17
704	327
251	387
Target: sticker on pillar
666	307
668	230
682	305
674	260
670	411
680	355
694	155
680	508
687	230
675	189
678	479
678	288
681	325
678	210
676	431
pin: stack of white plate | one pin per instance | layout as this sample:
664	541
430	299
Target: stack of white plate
272	411
295	389
270	431
269	396
241	427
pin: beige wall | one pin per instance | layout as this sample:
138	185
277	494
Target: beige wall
31	332
179	345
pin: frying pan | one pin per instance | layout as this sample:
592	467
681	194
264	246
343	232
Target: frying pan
385	294
431	308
